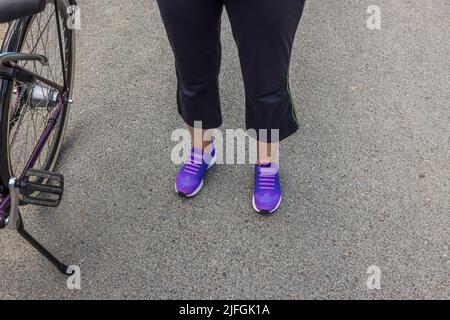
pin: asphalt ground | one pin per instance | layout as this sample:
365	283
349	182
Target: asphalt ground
366	178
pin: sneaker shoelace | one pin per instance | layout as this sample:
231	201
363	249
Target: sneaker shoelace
267	177
195	163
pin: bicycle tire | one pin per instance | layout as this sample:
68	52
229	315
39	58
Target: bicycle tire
14	42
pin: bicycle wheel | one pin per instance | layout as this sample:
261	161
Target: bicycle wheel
25	109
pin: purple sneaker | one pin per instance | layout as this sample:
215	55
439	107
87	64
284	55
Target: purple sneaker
189	180
267	193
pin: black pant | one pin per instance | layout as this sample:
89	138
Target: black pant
264	31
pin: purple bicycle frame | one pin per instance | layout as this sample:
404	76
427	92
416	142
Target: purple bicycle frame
6	202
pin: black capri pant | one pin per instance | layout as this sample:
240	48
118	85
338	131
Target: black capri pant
264	32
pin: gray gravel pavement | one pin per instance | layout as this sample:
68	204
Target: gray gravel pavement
366	179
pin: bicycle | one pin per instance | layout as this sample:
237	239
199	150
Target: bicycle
37	65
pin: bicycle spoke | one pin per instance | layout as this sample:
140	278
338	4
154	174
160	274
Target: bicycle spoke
34	103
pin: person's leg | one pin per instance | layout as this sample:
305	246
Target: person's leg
264	31
267	152
199	139
193	29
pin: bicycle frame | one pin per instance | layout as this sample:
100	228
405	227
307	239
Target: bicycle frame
14	220
6	202
10	70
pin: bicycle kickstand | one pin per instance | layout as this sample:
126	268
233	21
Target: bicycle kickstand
15	222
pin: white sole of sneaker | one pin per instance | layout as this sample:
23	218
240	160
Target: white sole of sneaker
193	194
272	211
